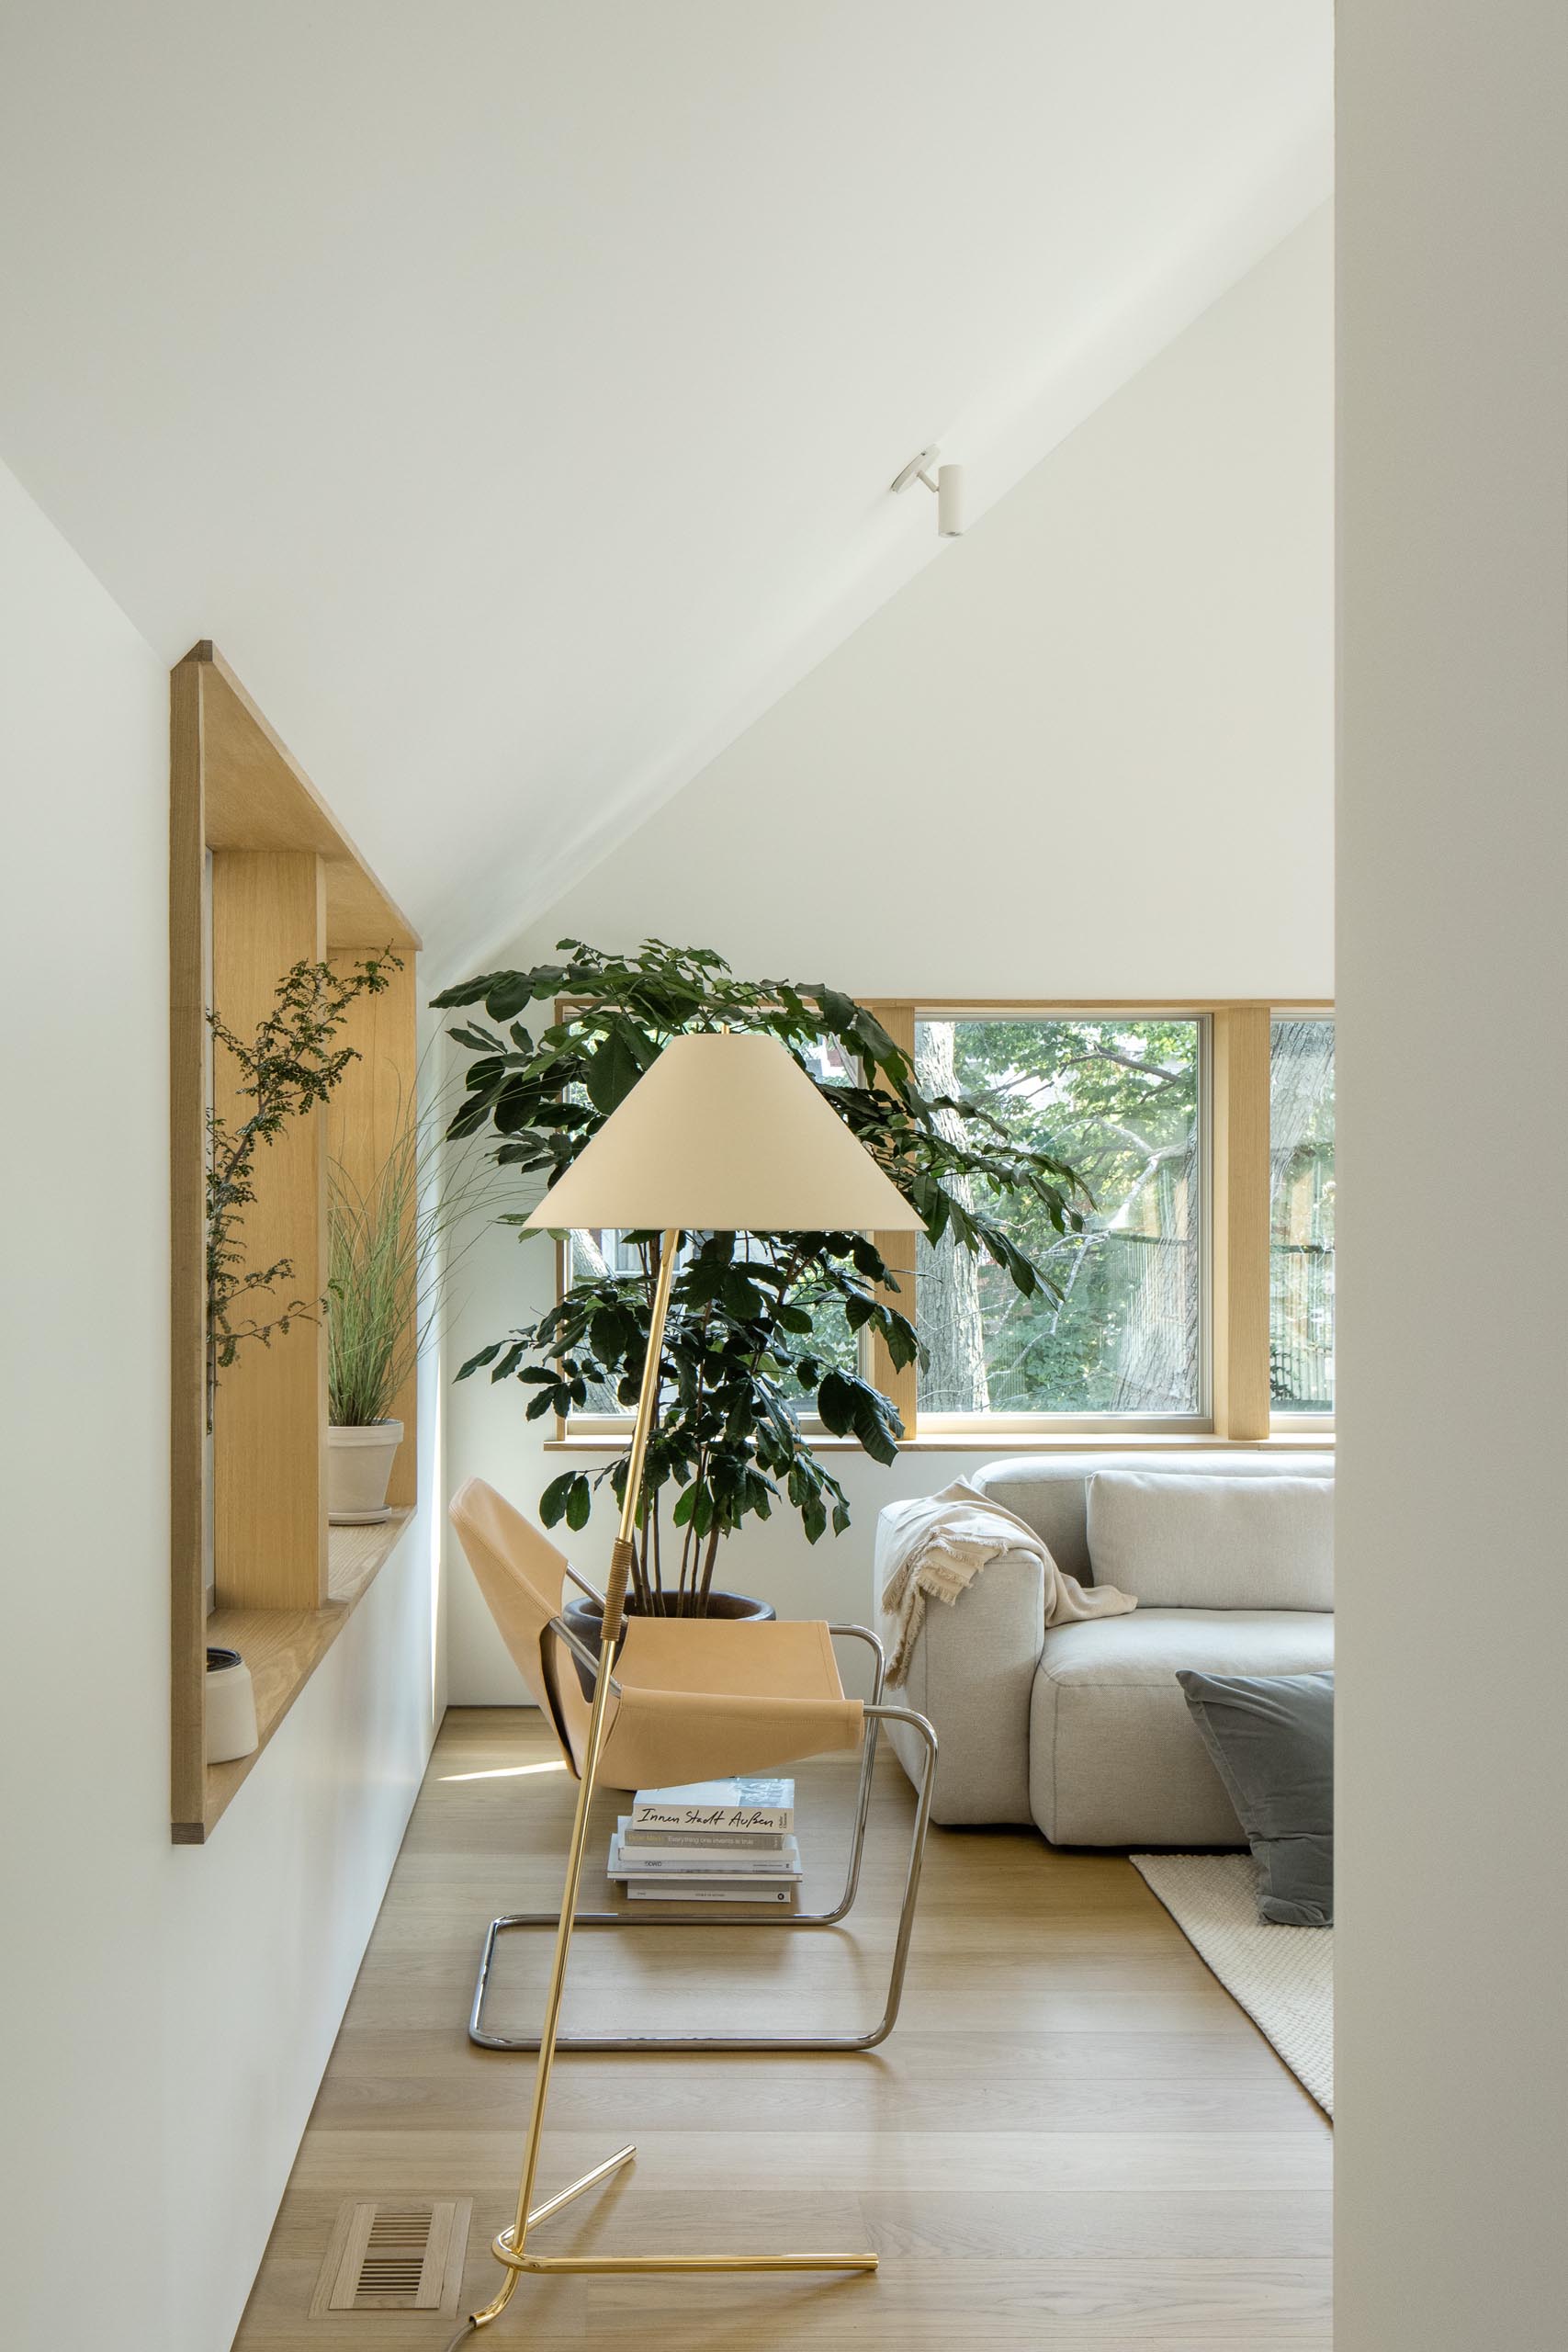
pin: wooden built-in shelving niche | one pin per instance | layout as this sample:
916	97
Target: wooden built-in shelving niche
285	883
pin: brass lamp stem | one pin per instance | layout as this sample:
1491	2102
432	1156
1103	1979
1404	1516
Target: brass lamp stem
622	1554
512	2241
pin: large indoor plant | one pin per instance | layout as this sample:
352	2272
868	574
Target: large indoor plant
764	1331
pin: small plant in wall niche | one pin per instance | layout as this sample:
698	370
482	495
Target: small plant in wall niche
287	1068
396	1237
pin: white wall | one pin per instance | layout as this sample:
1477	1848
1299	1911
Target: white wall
168	2011
1452	2111
1091	748
1089	752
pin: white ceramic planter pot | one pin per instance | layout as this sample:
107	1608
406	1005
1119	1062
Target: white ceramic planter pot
231	1707
359	1463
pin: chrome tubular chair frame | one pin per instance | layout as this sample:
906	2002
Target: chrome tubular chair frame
876	1714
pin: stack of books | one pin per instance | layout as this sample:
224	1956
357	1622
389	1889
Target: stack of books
716	1841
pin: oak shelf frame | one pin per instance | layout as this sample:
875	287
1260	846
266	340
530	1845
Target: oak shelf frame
269	1443
286	883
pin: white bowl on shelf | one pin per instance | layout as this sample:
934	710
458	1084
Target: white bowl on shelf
231	1707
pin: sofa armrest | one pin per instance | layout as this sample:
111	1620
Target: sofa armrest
972	1674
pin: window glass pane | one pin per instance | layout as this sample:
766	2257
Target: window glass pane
1301	1256
1119	1101
837	1348
590	1256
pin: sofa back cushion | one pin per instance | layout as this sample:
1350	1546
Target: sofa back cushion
1050	1490
1186	1542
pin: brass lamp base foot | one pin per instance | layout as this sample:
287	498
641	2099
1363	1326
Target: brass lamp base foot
601	2265
504	2250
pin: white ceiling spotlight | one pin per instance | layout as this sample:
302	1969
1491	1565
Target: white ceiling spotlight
948	488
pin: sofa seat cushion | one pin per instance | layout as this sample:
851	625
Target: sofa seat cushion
1154	1644
1115	1758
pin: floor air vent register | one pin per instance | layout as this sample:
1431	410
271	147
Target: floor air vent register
406	2256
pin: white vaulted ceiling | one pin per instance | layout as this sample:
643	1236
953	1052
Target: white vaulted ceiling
511	388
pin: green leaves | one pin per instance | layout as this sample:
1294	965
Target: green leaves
508	994
571	1498
612	1072
741	1296
853	1408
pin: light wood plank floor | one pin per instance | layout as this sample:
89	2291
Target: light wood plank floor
1073	2138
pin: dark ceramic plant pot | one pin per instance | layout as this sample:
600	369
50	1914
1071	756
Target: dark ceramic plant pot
586	1619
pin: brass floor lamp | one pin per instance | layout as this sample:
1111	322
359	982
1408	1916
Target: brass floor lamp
724	1134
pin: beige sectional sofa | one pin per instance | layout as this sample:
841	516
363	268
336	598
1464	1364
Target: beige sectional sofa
1083	1728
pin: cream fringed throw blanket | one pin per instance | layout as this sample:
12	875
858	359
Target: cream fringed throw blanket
934	1547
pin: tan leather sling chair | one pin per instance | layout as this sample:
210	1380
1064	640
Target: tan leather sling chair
693	1698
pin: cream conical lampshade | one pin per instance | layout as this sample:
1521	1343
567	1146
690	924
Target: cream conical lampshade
725	1134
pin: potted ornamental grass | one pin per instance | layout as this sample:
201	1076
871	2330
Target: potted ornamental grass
372	1331
395	1236
761	1354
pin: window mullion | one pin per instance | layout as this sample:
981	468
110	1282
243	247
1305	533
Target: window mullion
1240	1221
897	1254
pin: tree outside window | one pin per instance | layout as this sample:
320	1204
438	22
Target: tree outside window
1300	1217
1119	1098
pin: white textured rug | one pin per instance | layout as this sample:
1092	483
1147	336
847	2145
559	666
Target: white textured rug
1284	1977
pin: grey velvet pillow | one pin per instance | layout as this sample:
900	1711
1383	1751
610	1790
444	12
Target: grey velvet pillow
1272	1737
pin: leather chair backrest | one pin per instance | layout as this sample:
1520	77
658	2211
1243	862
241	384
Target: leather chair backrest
519	1571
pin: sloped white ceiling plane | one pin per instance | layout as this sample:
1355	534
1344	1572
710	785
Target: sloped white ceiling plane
512	389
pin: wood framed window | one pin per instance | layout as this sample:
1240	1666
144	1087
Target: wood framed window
262	876
1122	1095
1200	1305
1170	1327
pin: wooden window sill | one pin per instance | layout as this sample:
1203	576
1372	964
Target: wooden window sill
1002	1441
283	1648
